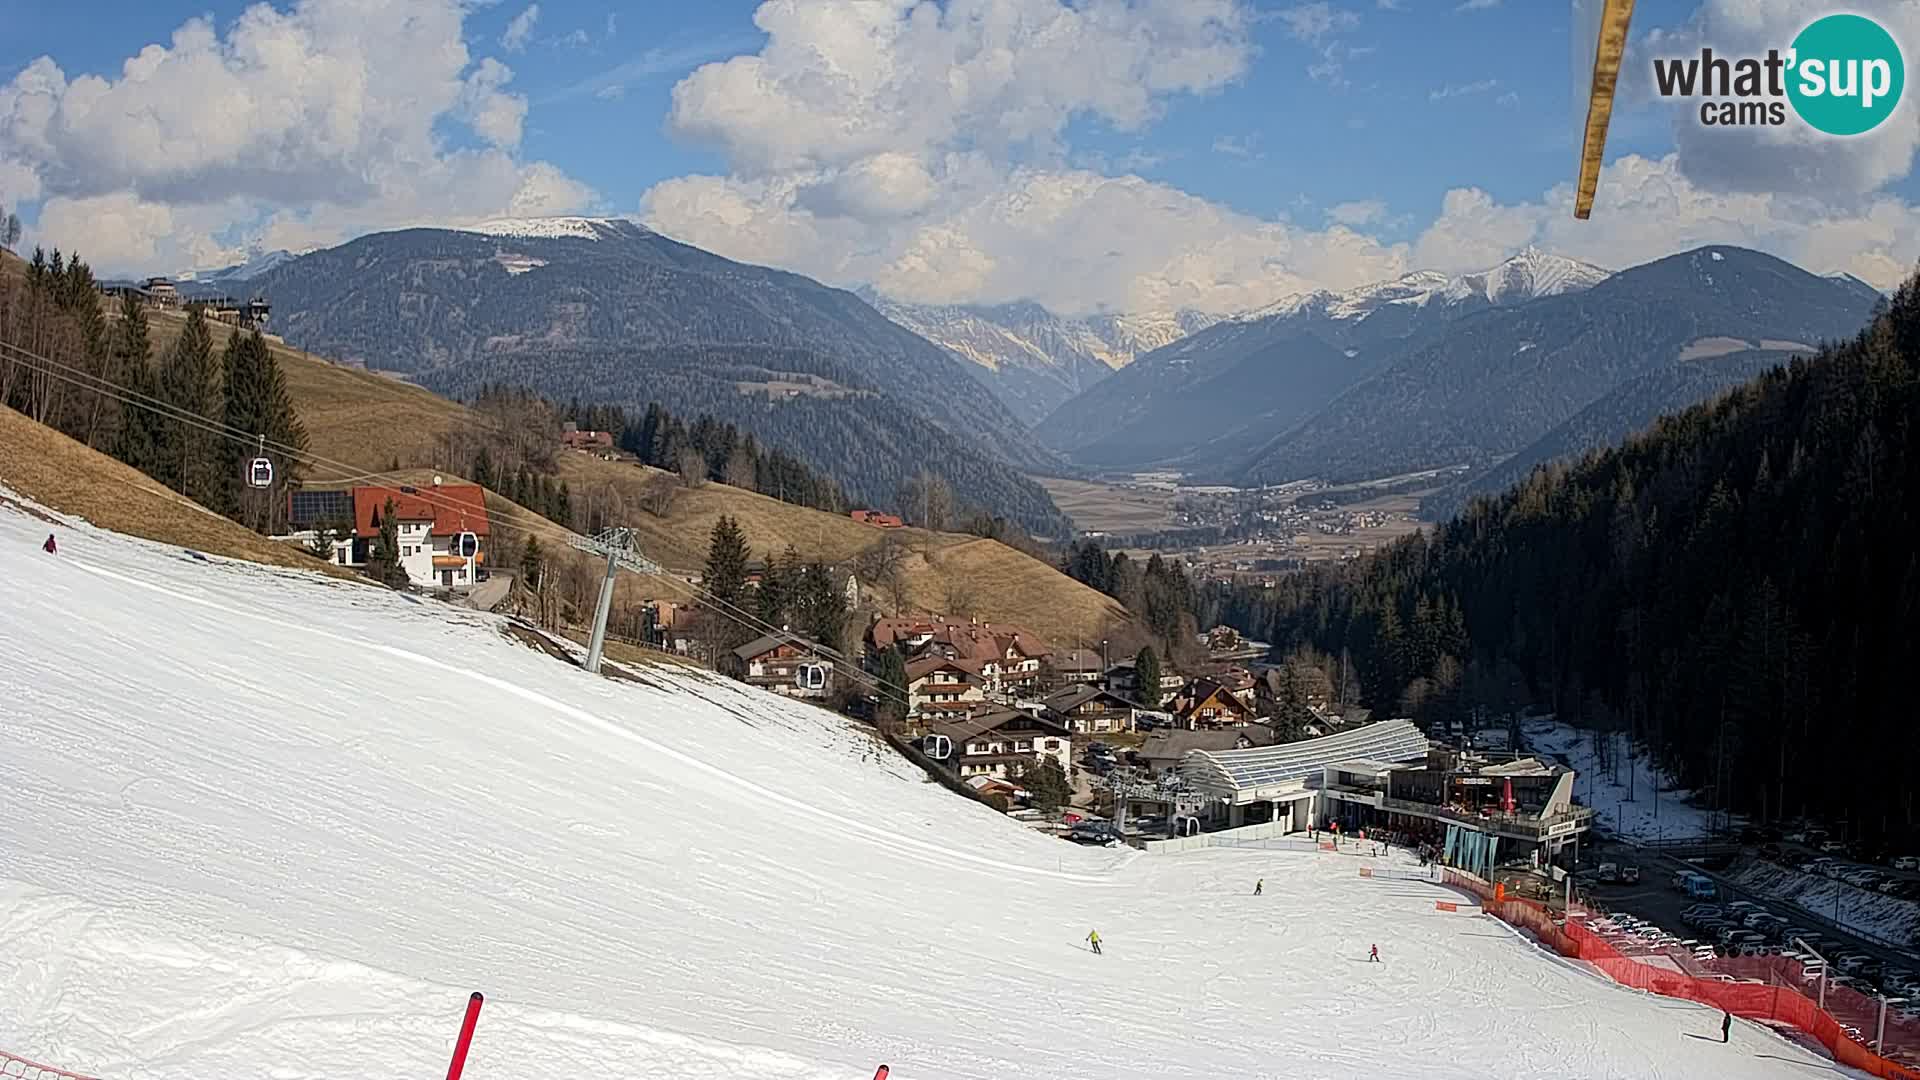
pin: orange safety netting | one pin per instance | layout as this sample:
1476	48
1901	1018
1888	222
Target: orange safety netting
1768	988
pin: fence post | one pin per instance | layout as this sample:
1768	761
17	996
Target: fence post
466	1037
1880	1029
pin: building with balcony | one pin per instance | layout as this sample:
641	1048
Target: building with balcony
1479	810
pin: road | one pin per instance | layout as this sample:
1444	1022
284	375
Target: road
488	594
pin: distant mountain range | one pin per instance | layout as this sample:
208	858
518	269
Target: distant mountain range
1210	400
1033	359
606	310
1490	386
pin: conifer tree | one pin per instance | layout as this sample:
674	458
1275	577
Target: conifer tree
726	573
1146	671
190	385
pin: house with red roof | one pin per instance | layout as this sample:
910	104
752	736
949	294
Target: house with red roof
429	526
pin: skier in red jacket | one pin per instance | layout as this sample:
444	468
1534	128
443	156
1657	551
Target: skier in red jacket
48	547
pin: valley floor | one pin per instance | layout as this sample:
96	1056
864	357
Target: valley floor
262	824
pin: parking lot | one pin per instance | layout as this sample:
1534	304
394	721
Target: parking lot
1863	965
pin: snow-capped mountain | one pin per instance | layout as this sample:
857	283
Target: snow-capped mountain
555	228
1033	359
1271	367
1528	275
257	264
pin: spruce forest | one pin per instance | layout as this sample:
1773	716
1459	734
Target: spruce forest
1738	587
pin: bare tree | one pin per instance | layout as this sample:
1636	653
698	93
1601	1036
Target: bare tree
693	468
656	495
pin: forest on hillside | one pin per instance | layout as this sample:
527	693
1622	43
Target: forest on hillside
866	443
1738	588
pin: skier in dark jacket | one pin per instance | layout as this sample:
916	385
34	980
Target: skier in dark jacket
1726	1024
49	546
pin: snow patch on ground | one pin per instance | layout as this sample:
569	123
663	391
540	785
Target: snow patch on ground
1887	917
1676	816
549	228
259	824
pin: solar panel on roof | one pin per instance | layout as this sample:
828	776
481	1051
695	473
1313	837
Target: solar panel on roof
309	508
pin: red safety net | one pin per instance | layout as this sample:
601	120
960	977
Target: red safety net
13	1067
1774	989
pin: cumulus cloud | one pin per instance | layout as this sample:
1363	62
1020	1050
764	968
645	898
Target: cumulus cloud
918	147
836	83
311	124
1042	234
1452	90
1648	208
1359	212
520	30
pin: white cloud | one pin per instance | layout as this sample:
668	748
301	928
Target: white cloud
315	123
1648	208
520	30
1508	100
1313	22
1040	234
1240	146
1357	213
1463	90
839	82
1478	5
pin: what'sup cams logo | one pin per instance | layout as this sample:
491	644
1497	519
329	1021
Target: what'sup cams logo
1843	75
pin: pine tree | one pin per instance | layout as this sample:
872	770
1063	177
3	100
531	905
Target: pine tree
775	593
726	574
139	438
1146	671
189	383
483	468
890	671
823	607
1048	788
383	556
286	431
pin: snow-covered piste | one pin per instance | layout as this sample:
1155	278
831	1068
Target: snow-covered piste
259	824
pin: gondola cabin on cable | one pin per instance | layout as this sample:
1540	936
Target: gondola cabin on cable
785	664
260	473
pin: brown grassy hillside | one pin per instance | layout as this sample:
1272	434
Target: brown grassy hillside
57	472
366	420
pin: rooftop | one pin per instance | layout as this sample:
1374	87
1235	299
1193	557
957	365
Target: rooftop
1236	770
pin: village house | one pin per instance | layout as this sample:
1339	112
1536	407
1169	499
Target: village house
1122	679
998	743
588	442
785	664
1089	710
1079	665
876	519
1163	749
428	528
943	689
1205	704
161	292
1009	658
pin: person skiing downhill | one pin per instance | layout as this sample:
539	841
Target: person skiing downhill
1259	885
1373	955
1094	940
1726	1024
49	546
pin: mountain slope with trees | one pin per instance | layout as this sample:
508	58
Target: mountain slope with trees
1738	588
614	312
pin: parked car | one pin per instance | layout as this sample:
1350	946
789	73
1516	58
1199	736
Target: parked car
1609	872
1907	862
1833	847
1095	832
1630	875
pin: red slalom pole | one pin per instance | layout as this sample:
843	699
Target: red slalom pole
466	1036
882	1074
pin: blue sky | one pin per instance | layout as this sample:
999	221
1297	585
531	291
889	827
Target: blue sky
1207	153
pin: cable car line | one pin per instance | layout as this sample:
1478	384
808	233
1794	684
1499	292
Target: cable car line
93	383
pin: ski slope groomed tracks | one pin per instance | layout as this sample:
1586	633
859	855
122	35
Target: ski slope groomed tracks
260	824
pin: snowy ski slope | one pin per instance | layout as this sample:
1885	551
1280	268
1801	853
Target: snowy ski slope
256	824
